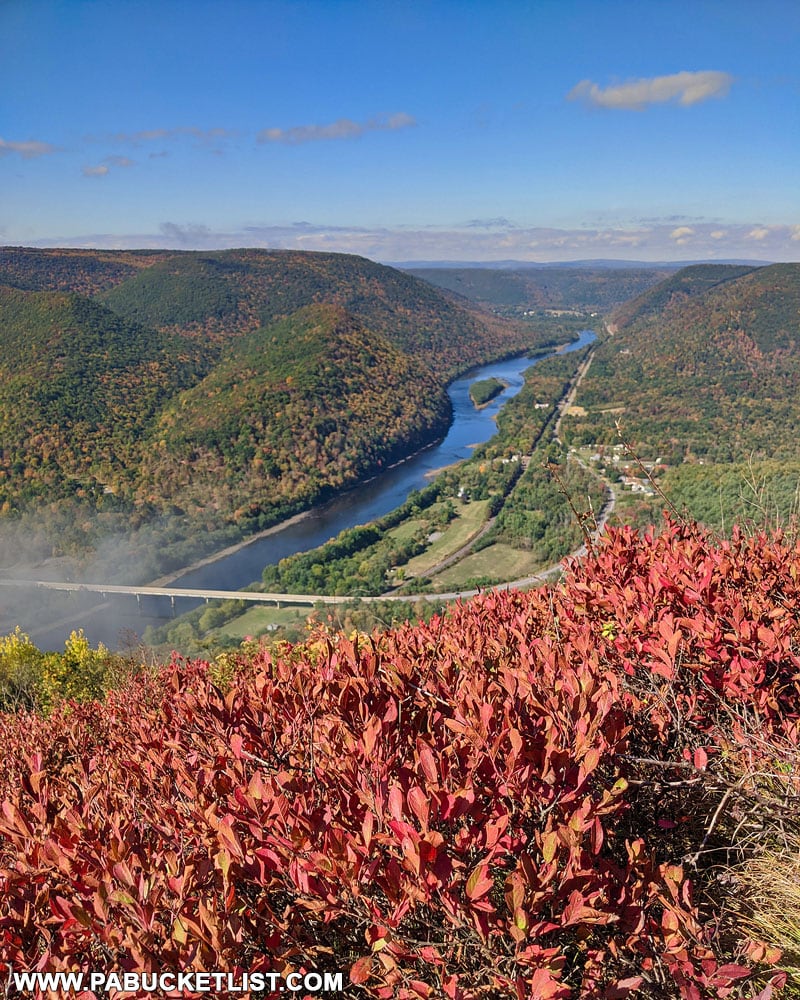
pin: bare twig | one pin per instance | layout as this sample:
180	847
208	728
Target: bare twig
580	518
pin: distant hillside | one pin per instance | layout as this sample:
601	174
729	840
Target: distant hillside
591	289
319	369
294	411
594	264
704	367
671	292
79	387
233	292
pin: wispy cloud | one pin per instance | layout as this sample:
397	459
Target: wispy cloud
206	135
500	222
189	235
27	150
101	169
656	242
343	128
682	88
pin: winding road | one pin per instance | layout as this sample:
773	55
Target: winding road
310	599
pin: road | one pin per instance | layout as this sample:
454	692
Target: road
311	599
106	589
569	398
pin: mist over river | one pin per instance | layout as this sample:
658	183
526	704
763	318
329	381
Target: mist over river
103	620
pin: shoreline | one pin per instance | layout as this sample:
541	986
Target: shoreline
165	581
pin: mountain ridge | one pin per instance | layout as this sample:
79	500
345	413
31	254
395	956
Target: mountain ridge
85	379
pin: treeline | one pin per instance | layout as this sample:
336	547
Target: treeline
197	392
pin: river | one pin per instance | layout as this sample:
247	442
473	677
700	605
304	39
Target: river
364	503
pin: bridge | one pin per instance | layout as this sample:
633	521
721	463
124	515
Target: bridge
255	597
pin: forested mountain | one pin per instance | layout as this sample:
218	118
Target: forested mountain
239	290
702	369
674	290
228	388
295	410
84	271
592	289
79	387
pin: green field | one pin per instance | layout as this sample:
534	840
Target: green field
468	521
259	620
497	562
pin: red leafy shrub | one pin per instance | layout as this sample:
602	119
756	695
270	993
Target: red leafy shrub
461	809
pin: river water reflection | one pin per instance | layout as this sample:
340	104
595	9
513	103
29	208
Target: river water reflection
364	503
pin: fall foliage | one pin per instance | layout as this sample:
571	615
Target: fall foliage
533	796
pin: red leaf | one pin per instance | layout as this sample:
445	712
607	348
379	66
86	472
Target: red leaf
428	763
478	884
733	971
361	970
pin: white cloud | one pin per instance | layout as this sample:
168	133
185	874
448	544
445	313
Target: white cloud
759	233
27	150
681	234
654	242
99	171
683	88
343	128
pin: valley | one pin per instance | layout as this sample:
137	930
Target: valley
399	500
374	499
189	400
250	425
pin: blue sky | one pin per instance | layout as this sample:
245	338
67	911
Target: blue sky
470	130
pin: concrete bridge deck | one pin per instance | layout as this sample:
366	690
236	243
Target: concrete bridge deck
104	589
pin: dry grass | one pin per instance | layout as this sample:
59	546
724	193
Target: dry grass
770	900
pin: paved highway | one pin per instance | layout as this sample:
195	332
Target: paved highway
255	597
239	595
278	599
